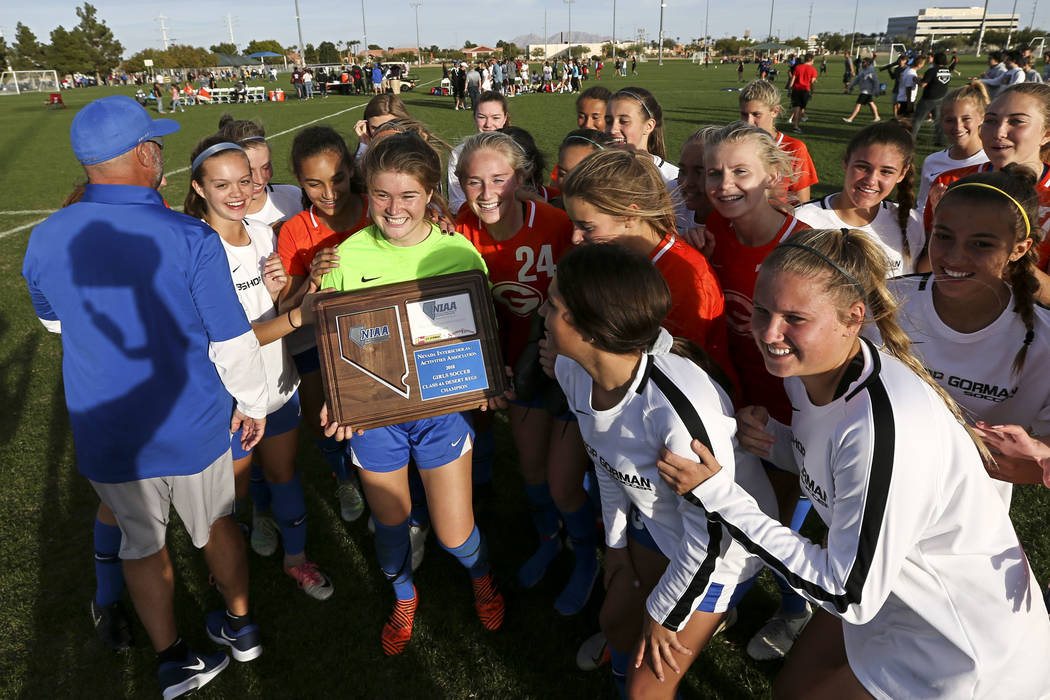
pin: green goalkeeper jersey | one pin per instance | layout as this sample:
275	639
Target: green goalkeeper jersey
367	259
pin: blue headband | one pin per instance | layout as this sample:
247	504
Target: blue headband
212	150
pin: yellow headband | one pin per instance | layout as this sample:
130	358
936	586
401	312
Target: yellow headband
1024	214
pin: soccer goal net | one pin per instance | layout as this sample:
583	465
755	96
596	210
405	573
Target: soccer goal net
15	82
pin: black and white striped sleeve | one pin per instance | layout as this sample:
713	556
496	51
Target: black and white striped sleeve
874	524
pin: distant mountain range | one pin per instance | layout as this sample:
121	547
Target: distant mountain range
556	37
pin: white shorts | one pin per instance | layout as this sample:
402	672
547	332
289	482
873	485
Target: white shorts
142	507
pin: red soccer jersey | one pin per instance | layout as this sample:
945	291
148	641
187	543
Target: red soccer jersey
804	75
697	304
803	164
304	234
737	268
521	267
1042	189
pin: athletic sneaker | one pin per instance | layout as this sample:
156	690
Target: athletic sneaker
351	504
244	645
876	119
578	590
778	635
488	602
398	628
195	671
264	536
848	121
314	583
593	653
804	118
111	625
796	129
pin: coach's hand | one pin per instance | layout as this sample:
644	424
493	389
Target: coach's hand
252	429
656	645
547	356
701	239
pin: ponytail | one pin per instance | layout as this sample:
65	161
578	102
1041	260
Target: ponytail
855	267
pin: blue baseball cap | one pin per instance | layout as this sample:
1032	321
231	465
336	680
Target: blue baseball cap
113	125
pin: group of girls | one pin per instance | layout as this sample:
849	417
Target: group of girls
706	339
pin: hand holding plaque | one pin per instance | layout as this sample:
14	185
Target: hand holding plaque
411	350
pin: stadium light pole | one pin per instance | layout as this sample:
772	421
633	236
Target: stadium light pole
614	34
853	36
980	34
1010	33
1031	22
707	15
364	31
419	52
299	26
660	38
772	4
569	3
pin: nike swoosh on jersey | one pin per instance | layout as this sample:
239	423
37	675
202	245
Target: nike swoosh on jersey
458	441
235	269
369	279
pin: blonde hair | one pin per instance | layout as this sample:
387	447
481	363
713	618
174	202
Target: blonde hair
975	93
761	91
612	180
774	159
501	143
854	268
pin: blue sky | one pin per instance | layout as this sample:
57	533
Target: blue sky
451	22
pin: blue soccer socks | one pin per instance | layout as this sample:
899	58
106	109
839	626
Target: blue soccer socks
580	526
289	510
545	519
109	573
393	550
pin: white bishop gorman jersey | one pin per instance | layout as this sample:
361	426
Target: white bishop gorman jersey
670	400
885	229
922	563
976	369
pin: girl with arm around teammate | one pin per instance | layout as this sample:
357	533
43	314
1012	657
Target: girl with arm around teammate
924	590
670	574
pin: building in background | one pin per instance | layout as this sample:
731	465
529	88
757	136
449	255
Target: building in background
936	22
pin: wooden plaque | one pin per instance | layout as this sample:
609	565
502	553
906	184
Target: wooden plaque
411	350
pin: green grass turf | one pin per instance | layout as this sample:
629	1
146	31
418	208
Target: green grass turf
316	649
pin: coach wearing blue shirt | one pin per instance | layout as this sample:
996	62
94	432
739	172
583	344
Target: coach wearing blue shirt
154	344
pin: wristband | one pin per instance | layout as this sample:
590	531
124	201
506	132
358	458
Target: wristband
290	321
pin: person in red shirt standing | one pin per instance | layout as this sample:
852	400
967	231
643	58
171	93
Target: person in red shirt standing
307	243
521	242
800	85
760	106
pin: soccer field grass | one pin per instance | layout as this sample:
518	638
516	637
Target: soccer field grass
323	649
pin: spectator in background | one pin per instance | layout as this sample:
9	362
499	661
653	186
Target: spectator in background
847	73
996	69
297	82
934	86
896	70
908	90
458	78
322	81
473	83
800	86
308	83
1011	74
868	82
1031	75
377	78
176	103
